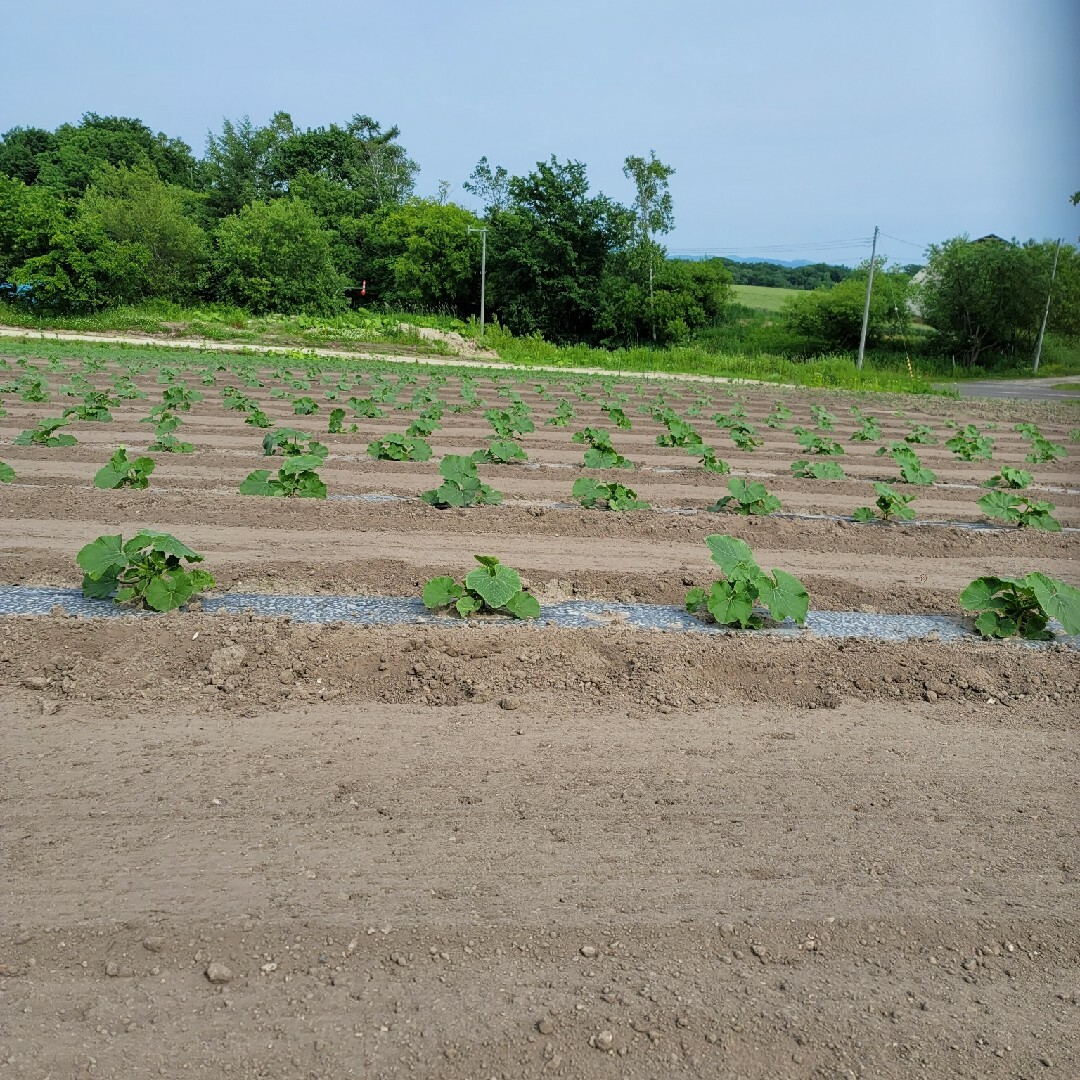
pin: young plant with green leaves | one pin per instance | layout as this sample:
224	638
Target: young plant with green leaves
746	587
293	443
922	435
912	470
297	478
1020	510
601	454
869	429
813	443
970	444
592	494
1010	477
7	473
365	407
45	434
165	440
179	397
681	434
396	447
305	406
1043	451
616	415
747	497
817	470
491	588
257	418
500	452
95	408
509	423
336	423
780	413
1022	607
153	569
711	463
564	413
889	505
123	471
743	434
823	419
461	485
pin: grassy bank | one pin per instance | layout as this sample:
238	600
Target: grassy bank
366	331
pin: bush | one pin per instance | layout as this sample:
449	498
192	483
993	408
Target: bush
830	317
275	256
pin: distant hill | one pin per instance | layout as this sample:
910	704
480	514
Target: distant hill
789	263
793	274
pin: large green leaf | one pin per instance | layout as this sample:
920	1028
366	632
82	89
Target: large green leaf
981	593
1000	505
109	477
298	463
494	585
785	597
440	591
732	555
457	468
1058	600
523	606
259	483
103	555
169	590
7	473
100	588
166	543
731	603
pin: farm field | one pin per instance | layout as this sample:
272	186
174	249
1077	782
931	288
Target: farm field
763	297
240	845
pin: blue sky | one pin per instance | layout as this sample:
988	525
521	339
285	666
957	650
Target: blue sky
792	126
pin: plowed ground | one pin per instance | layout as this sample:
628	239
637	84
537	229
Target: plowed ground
518	851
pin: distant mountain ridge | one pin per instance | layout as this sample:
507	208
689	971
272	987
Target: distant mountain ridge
791	264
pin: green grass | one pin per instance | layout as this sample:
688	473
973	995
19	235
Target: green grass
219	322
762	297
1067	387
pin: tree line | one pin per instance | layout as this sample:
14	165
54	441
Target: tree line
279	218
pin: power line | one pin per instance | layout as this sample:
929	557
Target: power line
921	247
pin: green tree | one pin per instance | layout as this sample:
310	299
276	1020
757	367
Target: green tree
80	149
276	257
830	317
138	211
359	157
29	218
490	186
420	257
548	251
653	214
688	296
986	297
238	163
21	151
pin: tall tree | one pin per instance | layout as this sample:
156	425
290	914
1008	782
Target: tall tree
548	250
490	186
653	211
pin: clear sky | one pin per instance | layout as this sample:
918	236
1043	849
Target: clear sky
791	125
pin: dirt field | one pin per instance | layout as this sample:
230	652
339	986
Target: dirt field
238	846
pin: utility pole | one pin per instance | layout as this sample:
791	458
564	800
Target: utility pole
1046	310
866	308
483	271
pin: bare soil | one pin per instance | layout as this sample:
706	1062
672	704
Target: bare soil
256	848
